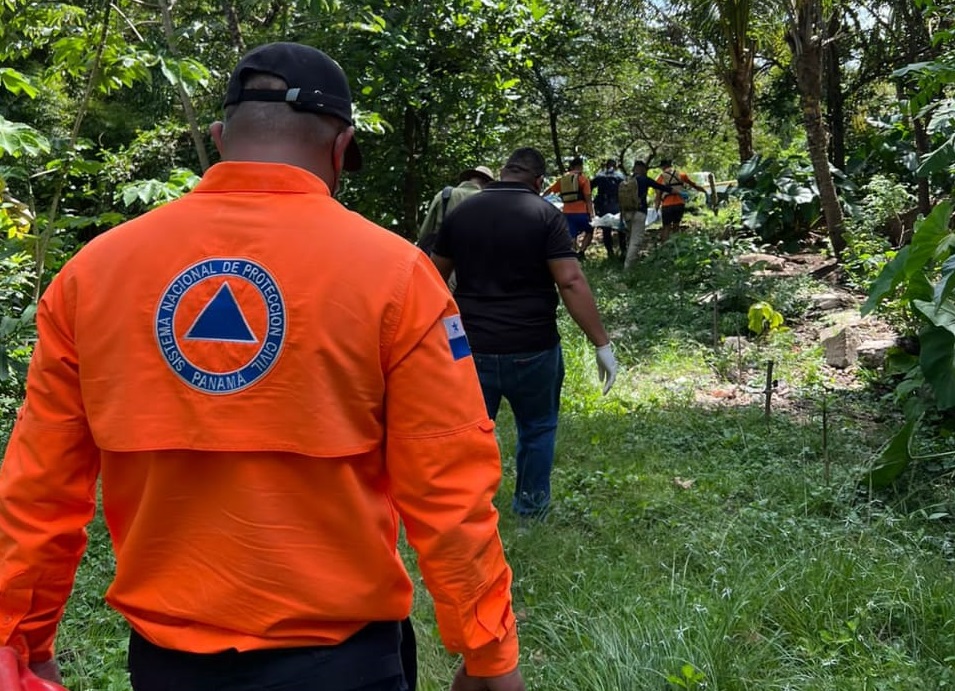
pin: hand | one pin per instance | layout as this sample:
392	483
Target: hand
506	682
606	366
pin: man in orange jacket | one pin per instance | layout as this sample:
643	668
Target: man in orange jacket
262	413
672	204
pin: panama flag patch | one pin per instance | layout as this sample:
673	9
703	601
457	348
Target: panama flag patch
456	337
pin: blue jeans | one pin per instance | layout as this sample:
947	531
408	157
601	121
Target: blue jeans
531	383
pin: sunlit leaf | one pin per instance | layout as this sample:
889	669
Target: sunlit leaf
18	139
888	280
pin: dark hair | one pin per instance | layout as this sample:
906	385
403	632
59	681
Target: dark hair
526	160
611	163
664	162
640	164
576	161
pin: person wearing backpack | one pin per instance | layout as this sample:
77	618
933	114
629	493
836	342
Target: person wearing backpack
515	264
606	201
471	181
575	192
632	195
672	205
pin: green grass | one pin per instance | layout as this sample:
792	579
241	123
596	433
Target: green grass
691	545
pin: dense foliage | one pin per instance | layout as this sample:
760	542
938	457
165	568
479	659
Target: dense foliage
104	109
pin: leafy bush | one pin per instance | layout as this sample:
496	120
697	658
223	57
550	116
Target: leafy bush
868	249
17	329
780	198
925	270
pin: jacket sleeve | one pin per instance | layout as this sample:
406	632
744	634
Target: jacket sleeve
444	468
47	488
430	223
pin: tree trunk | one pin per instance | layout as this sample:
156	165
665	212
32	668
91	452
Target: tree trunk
408	223
817	139
232	21
922	146
555	139
165	8
739	83
918	47
550	103
805	38
835	99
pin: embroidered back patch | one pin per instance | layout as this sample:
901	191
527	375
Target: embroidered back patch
220	324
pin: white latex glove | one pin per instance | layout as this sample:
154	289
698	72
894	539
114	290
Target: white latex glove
606	366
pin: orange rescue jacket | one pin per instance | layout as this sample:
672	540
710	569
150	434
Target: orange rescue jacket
266	382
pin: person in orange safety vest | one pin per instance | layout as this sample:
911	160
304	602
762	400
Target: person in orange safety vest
262	414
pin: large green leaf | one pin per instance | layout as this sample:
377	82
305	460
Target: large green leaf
942	158
930	233
937	360
918	287
943	118
16	83
888	280
946	282
892	459
941	315
748	170
17	139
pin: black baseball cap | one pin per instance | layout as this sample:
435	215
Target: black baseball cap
316	84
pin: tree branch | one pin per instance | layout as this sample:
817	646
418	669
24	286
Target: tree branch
46	234
165	7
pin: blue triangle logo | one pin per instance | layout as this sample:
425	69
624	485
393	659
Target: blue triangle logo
222	320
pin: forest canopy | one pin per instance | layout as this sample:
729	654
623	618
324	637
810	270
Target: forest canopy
104	106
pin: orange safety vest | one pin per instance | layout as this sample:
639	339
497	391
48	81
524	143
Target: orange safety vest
266	382
575	207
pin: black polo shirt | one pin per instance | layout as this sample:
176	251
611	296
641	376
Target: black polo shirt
500	241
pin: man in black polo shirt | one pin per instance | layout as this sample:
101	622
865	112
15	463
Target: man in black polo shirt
513	254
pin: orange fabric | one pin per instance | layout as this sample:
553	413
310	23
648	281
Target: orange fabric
579	206
668	178
266	383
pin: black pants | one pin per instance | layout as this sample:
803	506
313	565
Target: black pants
374	659
607	235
